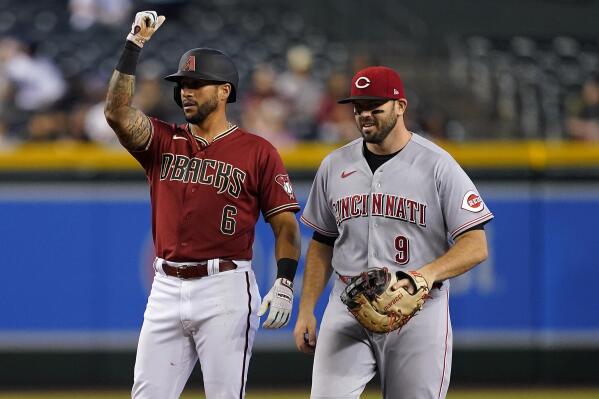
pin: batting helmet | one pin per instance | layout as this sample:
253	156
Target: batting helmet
205	64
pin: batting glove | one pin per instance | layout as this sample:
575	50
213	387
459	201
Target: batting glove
280	300
144	26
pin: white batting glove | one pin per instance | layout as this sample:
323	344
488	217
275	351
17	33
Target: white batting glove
144	26
280	300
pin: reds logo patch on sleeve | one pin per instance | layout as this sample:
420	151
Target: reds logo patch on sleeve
283	181
472	202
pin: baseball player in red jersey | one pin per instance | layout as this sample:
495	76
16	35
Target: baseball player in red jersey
209	180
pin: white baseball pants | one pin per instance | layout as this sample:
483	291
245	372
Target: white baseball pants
212	319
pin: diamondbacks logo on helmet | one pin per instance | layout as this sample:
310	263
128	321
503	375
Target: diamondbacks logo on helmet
472	202
283	181
190	64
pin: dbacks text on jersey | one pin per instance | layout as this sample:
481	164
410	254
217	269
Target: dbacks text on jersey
221	175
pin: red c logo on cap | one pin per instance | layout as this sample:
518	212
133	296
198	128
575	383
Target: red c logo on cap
362	85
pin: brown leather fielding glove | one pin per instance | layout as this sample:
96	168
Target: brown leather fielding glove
373	302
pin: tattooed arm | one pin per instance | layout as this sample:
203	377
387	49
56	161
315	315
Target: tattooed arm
132	127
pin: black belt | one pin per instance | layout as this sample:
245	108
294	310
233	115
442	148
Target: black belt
197	270
345	279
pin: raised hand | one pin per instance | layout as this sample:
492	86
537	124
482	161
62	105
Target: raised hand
144	26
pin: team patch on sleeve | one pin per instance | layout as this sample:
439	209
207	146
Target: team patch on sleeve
472	202
283	181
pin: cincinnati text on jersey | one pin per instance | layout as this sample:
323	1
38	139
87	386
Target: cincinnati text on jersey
221	175
378	204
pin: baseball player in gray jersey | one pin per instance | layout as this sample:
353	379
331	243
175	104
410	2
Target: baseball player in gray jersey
389	199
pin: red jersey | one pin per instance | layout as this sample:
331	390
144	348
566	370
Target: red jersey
206	197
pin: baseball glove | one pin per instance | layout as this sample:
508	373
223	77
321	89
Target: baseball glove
373	302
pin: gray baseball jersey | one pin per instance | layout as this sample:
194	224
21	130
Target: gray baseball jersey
403	216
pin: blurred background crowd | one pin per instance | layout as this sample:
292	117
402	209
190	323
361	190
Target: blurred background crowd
539	81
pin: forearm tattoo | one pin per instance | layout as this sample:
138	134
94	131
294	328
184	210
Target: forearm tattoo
132	126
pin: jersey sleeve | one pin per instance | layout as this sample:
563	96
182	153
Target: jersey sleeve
276	191
318	213
149	156
463	207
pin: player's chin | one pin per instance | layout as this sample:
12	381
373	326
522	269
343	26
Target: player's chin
190	111
373	137
368	130
192	116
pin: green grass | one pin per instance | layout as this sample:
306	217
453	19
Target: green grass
453	394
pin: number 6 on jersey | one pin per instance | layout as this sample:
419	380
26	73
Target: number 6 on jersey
227	224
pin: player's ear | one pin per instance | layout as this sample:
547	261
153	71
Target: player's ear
224	91
401	106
